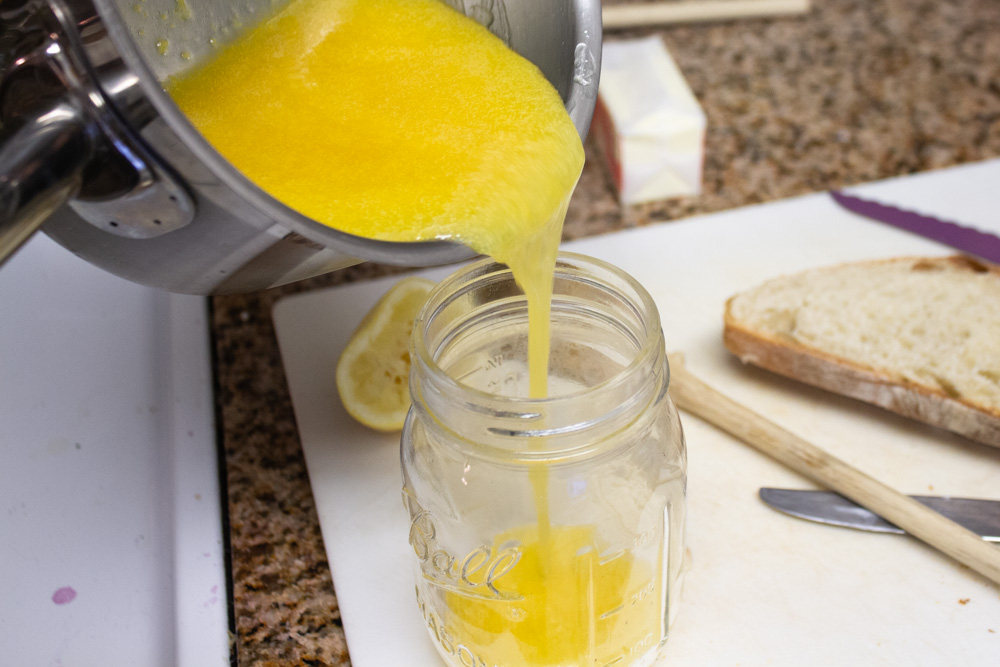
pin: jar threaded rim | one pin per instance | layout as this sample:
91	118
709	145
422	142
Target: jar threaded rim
569	421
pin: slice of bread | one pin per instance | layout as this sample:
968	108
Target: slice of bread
918	336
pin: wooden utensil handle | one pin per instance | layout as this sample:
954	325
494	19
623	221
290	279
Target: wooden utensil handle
665	13
694	396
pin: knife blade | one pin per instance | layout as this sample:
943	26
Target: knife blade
971	241
980	516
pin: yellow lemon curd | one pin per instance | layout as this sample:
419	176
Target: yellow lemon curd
403	120
562	604
394	120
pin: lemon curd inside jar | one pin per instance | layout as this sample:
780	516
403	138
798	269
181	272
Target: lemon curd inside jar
545	532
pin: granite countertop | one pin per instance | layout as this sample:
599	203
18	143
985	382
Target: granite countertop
857	90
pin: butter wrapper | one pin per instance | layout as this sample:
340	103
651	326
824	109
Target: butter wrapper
647	123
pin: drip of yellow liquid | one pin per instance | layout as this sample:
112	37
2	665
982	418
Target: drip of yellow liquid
403	120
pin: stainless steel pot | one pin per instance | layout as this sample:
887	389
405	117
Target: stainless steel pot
95	149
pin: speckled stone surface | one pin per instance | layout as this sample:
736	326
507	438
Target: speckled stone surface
856	90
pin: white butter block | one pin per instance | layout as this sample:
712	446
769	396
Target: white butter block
648	124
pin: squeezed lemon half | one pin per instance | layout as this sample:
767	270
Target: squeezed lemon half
374	368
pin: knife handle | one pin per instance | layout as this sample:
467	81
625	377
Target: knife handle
694	396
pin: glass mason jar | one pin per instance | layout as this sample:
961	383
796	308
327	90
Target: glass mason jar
546	532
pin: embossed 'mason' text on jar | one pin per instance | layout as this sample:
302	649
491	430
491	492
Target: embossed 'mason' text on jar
545	532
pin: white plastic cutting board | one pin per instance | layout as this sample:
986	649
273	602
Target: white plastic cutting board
762	588
111	550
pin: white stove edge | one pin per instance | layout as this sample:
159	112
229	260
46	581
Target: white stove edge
111	531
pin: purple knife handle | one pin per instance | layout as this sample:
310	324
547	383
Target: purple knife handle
966	239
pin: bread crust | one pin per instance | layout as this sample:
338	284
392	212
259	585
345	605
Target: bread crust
816	367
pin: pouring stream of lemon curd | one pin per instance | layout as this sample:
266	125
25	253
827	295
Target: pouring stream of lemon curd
403	120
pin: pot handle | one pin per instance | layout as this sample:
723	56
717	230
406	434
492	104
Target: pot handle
41	168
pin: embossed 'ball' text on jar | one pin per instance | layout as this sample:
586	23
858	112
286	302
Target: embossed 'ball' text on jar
545	532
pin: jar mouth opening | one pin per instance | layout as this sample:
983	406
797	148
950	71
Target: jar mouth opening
489	285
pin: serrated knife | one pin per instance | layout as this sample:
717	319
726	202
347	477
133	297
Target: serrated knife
967	239
980	516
